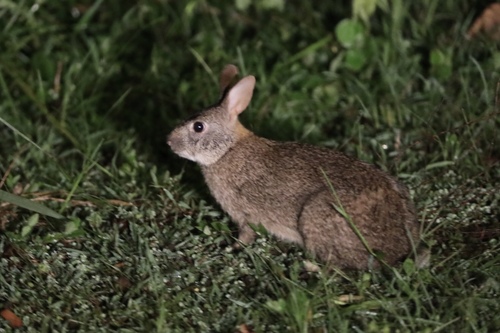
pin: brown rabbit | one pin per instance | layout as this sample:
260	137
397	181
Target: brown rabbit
312	196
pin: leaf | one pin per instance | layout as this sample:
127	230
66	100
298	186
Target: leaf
439	164
273	4
278	306
409	266
243	4
488	23
350	33
441	64
13	320
244	328
355	59
363	9
348	299
32	222
206	230
72	228
28	204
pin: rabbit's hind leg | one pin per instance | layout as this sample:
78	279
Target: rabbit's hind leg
246	235
328	236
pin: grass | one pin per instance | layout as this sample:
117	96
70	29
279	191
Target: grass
89	91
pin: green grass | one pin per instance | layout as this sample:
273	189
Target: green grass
89	90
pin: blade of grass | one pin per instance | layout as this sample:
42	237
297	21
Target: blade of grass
302	53
58	125
204	64
82	25
28	204
88	165
15	130
25	87
483	78
340	209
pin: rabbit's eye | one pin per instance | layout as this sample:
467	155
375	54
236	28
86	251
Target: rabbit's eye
198	127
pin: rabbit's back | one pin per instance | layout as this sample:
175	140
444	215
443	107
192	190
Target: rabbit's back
291	189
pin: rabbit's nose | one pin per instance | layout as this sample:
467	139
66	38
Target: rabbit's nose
172	140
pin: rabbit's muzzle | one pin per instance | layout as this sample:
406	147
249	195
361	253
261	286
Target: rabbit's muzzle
176	143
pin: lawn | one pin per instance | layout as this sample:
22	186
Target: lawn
121	235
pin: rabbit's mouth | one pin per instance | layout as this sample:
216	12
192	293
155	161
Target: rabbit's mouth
200	159
177	147
186	155
181	152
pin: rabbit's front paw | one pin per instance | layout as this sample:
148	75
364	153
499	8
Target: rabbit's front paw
246	236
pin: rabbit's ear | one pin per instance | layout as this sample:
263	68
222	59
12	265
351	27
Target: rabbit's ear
226	77
239	96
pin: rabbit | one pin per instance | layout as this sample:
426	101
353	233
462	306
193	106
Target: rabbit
342	210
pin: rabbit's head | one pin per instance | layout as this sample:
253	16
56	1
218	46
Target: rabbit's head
207	136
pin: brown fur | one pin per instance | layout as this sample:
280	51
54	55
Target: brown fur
282	185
